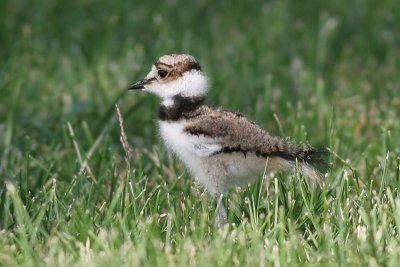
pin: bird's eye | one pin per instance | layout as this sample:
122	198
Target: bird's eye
162	73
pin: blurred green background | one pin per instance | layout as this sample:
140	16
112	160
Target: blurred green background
326	72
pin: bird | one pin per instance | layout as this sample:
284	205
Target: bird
220	148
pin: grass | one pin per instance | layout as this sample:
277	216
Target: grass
324	72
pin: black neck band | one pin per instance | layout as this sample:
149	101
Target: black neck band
181	108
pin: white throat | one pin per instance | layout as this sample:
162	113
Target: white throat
168	102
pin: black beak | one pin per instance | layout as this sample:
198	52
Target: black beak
138	85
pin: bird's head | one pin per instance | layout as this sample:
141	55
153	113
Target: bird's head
173	75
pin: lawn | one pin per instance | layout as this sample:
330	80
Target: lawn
326	73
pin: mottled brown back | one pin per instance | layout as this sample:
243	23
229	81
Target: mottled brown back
242	135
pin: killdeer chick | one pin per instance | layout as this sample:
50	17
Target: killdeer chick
221	148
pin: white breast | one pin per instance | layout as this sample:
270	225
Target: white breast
191	149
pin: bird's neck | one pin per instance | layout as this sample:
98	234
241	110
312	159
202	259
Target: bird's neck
178	107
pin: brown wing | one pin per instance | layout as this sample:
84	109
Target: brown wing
235	132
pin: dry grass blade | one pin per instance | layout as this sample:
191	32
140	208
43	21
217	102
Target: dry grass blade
124	139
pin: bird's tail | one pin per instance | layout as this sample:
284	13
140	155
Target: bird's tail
311	161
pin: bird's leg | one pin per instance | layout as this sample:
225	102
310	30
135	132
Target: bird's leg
214	180
221	218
